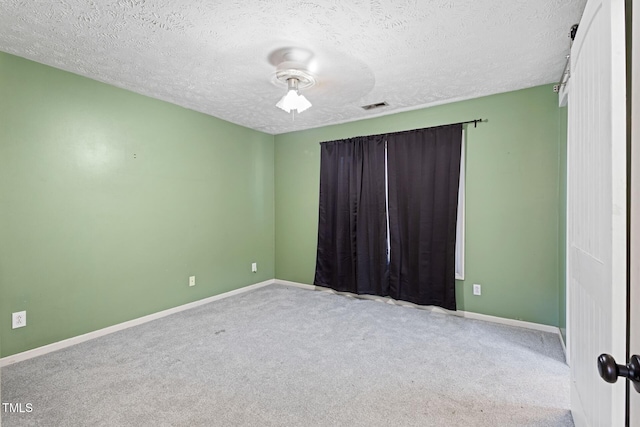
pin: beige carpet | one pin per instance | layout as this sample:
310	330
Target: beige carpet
281	356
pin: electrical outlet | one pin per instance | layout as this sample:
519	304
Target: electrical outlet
192	280
18	319
254	267
477	289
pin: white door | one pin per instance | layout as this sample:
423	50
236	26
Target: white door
634	219
596	212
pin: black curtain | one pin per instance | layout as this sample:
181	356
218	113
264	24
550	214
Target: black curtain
352	242
423	174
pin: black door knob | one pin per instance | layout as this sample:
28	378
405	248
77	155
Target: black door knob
610	371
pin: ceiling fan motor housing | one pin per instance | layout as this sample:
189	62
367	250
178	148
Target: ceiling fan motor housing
284	73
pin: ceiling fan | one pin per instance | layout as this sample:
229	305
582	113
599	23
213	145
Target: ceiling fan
293	69
333	77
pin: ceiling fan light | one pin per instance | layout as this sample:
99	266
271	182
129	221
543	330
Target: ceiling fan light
288	102
303	104
293	101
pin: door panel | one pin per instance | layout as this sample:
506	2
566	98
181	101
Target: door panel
634	219
596	212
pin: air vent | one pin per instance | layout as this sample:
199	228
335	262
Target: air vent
374	106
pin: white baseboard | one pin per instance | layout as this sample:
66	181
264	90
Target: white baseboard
509	322
295	284
460	313
564	346
29	354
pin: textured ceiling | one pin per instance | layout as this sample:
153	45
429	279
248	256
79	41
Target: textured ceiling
214	57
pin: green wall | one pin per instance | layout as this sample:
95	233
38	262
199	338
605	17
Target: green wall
109	200
512	199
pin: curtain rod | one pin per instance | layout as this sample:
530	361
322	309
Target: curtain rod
475	124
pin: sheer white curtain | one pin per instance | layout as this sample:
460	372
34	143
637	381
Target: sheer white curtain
460	220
